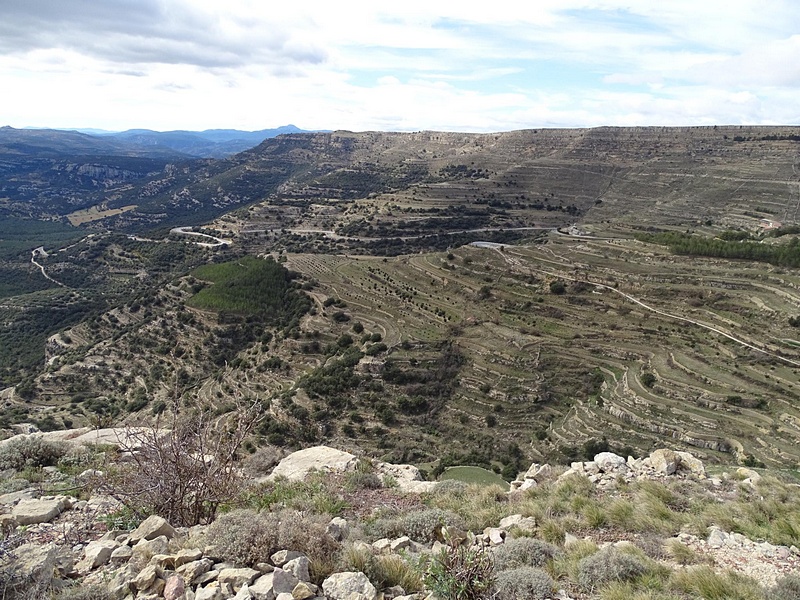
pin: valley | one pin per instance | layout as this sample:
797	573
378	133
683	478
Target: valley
498	289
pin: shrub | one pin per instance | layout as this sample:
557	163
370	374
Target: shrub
30	451
606	566
420	526
523	552
246	537
460	573
186	472
786	588
523	582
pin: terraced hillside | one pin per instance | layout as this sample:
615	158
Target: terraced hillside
450	298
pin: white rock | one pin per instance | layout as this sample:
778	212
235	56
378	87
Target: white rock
151	528
717	538
41	510
338	529
608	462
518	521
298	465
538	472
349	586
691	463
400	543
664	461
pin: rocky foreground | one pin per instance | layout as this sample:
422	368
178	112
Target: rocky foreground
54	543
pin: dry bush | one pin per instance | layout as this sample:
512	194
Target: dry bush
30	451
383	571
186	472
420	525
523	552
246	537
606	566
523	582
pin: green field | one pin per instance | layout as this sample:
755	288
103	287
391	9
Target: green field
477	475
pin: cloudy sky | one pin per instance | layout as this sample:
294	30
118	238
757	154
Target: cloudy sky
410	65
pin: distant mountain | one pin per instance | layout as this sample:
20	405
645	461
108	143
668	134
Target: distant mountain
211	143
54	143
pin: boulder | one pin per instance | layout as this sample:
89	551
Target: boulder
538	472
298	465
187	555
664	461
717	538
694	465
41	510
349	586
193	570
151	528
34	563
608	462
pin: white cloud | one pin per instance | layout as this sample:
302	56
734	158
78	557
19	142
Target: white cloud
194	64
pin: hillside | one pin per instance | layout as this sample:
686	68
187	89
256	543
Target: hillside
536	343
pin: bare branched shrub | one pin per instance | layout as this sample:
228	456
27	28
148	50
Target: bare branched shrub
186	472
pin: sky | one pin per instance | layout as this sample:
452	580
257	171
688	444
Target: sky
398	66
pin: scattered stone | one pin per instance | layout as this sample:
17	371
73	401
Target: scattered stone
338	529
121	555
194	570
349	586
688	462
518	521
281	557
96	554
401	543
211	592
151	528
303	591
496	535
187	555
146	577
298	567
237	577
717	538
